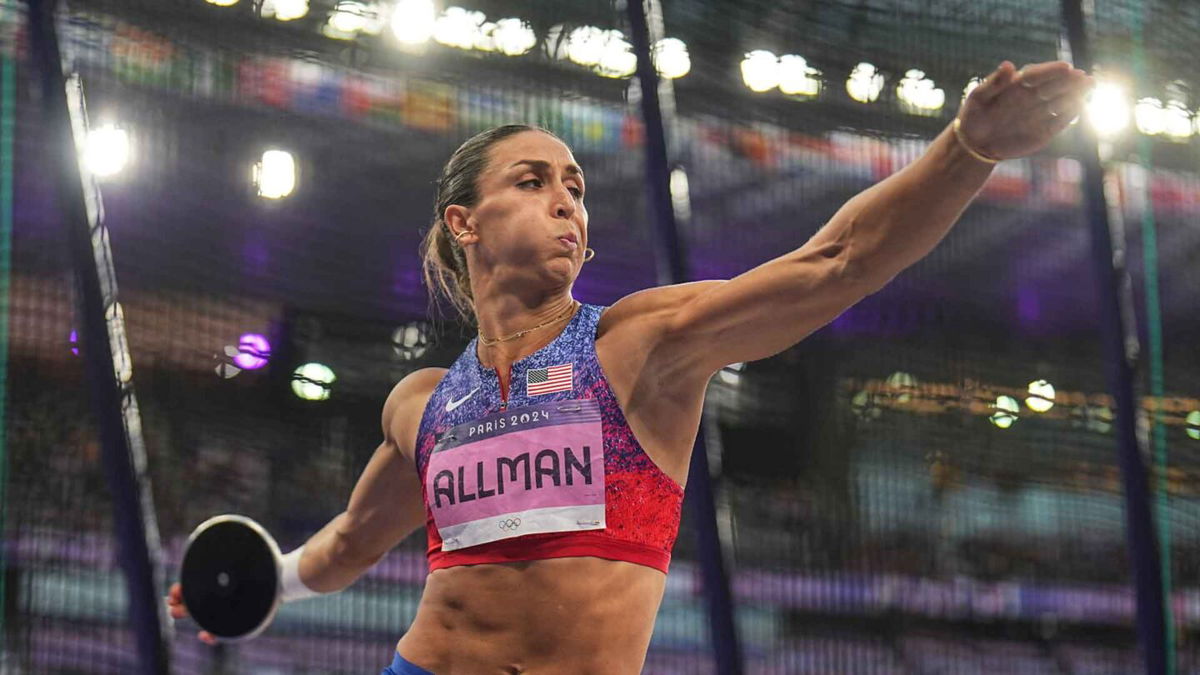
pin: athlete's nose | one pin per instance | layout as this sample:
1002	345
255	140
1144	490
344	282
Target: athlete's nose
564	203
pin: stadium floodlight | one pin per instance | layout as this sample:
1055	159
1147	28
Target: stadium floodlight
1041	396
1006	412
513	37
760	70
971	84
671	58
253	351
918	93
865	83
413	21
410	341
1108	109
1177	121
285	10
347	19
458	27
617	58
106	151
313	381
797	78
1148	116
222	3
586	45
275	174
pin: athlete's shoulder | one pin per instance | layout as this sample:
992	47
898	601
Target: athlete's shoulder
405	404
642	308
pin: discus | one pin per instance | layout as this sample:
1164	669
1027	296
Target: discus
230	577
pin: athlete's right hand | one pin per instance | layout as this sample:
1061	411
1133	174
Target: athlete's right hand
178	611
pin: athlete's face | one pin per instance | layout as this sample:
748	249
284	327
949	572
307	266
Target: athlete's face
530	217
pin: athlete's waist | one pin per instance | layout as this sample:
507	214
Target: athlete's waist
549	546
541	615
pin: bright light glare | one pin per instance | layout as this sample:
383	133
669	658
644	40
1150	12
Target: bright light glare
680	196
585	45
349	18
760	70
919	93
1193	425
971	84
1041	396
413	21
618	59
1148	115
1006	412
275	175
222	3
107	151
312	381
1178	121
671	58
797	78
410	341
253	352
1108	109
513	37
457	27
865	83
285	10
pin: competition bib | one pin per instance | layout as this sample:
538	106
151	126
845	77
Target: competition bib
531	470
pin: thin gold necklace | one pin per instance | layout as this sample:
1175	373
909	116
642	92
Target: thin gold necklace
487	341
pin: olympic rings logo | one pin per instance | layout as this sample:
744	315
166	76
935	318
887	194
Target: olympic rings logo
510	523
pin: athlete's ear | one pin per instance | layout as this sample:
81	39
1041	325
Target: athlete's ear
458	218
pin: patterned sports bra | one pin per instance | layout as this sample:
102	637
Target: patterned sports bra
544	468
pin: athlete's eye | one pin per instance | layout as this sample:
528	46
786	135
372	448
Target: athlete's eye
538	182
577	192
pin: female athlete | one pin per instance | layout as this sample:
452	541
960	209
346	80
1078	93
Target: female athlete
547	463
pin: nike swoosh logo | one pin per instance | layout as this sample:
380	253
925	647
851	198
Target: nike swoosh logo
451	405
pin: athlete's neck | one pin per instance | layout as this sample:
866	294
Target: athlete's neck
502	317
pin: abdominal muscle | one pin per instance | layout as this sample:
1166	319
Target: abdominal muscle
558	616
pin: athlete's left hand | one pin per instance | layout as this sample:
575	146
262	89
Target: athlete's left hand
1015	113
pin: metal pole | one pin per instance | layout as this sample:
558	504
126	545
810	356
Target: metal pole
1119	336
104	350
670	258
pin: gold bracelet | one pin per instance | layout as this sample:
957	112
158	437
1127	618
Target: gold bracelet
962	140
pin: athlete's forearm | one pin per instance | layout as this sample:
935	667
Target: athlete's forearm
898	221
335	557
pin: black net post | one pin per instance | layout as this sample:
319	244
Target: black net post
104	349
1119	337
672	269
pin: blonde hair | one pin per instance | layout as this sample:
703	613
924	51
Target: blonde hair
443	263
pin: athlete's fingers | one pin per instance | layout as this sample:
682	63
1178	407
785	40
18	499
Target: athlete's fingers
1039	74
1075	82
995	83
175	602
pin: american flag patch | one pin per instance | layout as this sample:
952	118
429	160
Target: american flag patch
548	380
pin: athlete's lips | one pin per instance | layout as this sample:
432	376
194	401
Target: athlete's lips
569	240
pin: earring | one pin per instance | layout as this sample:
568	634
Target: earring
458	236
588	254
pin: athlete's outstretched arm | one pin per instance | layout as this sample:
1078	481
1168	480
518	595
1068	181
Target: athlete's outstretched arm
876	234
386	504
